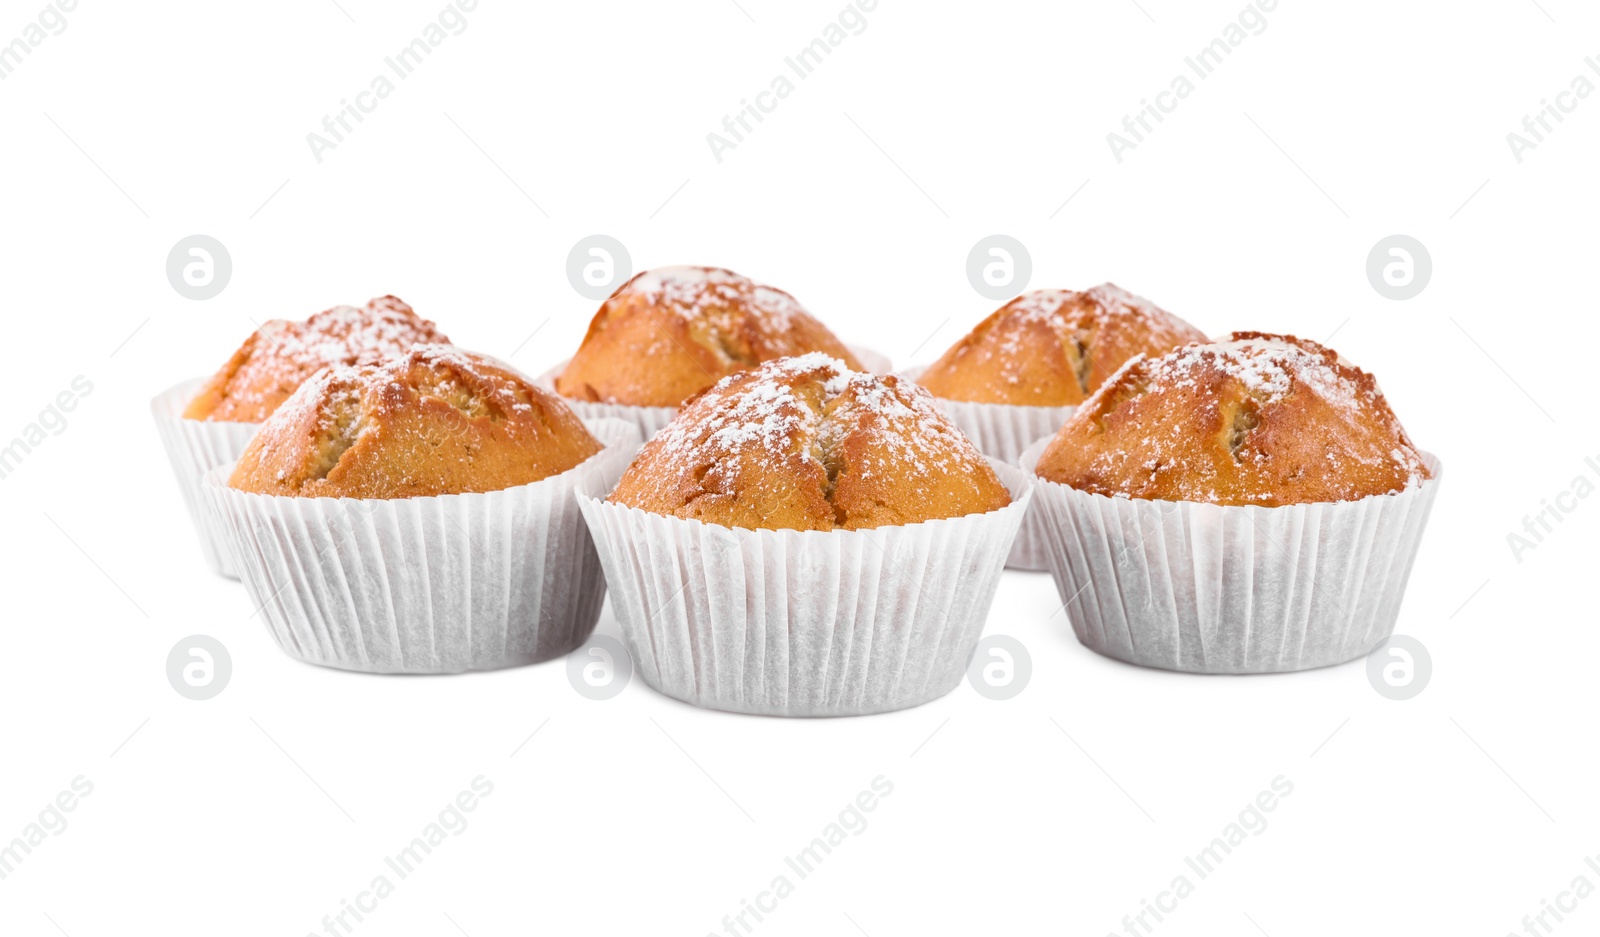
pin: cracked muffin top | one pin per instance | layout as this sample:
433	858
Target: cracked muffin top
669	333
1053	348
808	444
1254	419
274	361
436	420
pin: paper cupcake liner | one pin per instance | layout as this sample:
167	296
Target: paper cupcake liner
876	362
1003	431
1207	588
440	584
802	623
650	420
195	447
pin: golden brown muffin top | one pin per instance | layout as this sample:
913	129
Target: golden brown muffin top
807	444
670	333
1053	348
1255	419
436	420
282	354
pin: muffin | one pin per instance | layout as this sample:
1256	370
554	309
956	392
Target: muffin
1257	419
803	539
417	516
1249	505
1017	376
806	444
670	333
280	355
1053	348
434	421
208	422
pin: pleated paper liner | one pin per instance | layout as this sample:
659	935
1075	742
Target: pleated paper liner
802	623
195	447
1003	430
650	420
442	584
647	420
1207	588
873	361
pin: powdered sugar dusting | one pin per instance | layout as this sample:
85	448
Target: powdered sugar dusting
1077	338
349	335
810	407
433	420
762	415
282	354
1268	366
691	291
1252	419
1093	307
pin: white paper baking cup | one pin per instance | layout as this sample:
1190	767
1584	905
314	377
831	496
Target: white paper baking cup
1003	430
195	447
441	584
650	420
1207	588
873	361
802	623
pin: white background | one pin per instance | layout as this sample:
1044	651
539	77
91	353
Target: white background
1457	812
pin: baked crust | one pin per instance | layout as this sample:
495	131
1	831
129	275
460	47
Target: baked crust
806	443
1254	419
1053	348
280	355
669	333
436	420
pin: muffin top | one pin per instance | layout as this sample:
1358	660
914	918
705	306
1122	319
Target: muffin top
669	333
282	354
1255	419
807	444
436	420
1053	348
